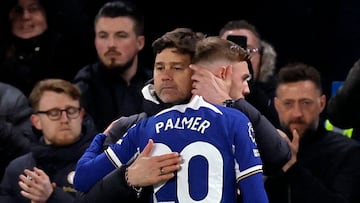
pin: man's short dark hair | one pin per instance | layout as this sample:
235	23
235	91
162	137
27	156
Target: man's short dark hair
239	24
123	9
296	72
183	39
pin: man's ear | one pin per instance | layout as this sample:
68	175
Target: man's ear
228	72
140	42
35	120
221	72
82	113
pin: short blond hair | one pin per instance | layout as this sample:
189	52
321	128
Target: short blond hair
54	85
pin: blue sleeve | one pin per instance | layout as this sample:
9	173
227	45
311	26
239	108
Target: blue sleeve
252	189
125	150
92	166
249	173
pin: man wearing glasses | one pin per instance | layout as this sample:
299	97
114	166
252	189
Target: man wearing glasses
46	173
263	66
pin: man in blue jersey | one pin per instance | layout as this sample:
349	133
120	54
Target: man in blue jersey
211	148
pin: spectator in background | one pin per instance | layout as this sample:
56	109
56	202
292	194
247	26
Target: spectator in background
325	166
343	109
15	126
45	174
111	88
34	49
263	65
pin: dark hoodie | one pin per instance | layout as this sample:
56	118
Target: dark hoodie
106	96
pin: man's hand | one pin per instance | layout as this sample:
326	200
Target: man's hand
212	88
35	185
112	124
294	146
149	170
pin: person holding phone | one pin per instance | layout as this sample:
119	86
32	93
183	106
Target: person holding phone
261	64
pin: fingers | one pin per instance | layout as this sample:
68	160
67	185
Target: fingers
31	175
169	158
147	150
169	169
195	67
26	189
199	72
39	171
166	177
162	171
35	185
296	138
24	185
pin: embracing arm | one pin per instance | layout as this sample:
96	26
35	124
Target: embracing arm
274	149
144	171
92	166
114	187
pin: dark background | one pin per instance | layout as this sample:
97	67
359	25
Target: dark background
325	34
320	33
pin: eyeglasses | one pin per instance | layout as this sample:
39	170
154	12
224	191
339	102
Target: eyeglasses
252	50
55	114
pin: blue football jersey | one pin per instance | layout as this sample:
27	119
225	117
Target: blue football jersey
218	148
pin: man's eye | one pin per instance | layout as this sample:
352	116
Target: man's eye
54	112
71	110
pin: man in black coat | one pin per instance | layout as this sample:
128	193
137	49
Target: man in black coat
111	88
324	166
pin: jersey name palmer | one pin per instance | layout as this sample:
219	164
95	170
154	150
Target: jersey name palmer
193	123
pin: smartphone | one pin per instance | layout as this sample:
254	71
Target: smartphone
240	40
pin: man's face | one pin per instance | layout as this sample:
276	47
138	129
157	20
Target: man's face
27	19
299	105
116	42
172	76
252	42
240	76
64	131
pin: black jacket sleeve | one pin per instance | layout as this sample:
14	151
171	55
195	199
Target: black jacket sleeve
114	188
120	128
274	150
343	109
263	102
